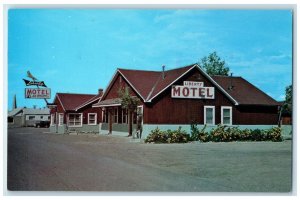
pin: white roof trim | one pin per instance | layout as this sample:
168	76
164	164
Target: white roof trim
218	86
109	85
110	105
132	86
207	76
87	102
171	83
60	102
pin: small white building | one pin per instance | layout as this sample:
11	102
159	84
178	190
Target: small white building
23	116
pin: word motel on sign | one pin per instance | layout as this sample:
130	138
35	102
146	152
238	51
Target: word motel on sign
193	90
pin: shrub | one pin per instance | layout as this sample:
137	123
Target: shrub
177	136
194	132
257	135
273	134
220	134
199	135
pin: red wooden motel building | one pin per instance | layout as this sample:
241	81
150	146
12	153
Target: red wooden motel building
173	98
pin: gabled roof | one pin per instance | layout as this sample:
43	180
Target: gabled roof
244	92
149	84
15	111
29	111
71	101
108	102
36	111
92	100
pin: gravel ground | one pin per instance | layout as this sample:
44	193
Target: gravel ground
39	161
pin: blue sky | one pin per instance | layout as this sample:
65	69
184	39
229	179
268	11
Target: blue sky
78	51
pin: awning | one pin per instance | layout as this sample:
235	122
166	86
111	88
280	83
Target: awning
108	102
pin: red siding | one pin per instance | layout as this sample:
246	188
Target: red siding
88	110
120	82
167	110
85	110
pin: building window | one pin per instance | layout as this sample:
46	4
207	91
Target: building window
52	120
115	115
209	115
92	118
10	120
60	119
49	117
75	120
42	117
226	115
31	117
124	116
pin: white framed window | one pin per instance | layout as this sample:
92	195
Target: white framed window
124	116
92	118
60	119
52	120
75	120
209	115
226	115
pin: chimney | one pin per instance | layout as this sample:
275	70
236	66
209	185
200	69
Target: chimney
100	91
230	86
163	72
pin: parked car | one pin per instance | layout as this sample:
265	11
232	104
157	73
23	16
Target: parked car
42	124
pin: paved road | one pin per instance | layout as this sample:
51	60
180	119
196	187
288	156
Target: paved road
40	161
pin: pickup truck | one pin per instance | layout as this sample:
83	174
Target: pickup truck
42	124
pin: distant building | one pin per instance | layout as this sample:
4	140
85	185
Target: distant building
23	116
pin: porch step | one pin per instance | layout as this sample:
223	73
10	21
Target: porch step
73	133
135	140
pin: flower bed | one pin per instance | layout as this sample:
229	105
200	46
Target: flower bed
218	134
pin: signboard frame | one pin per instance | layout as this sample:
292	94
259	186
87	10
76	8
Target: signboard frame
38	94
192	90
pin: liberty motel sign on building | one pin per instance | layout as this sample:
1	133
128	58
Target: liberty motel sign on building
193	90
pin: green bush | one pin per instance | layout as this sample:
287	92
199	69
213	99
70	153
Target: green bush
177	136
219	134
227	134
273	134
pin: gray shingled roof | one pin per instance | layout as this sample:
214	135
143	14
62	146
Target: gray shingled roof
29	111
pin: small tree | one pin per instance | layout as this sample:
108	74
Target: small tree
213	65
287	106
130	103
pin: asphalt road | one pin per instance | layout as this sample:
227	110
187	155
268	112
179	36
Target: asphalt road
39	161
